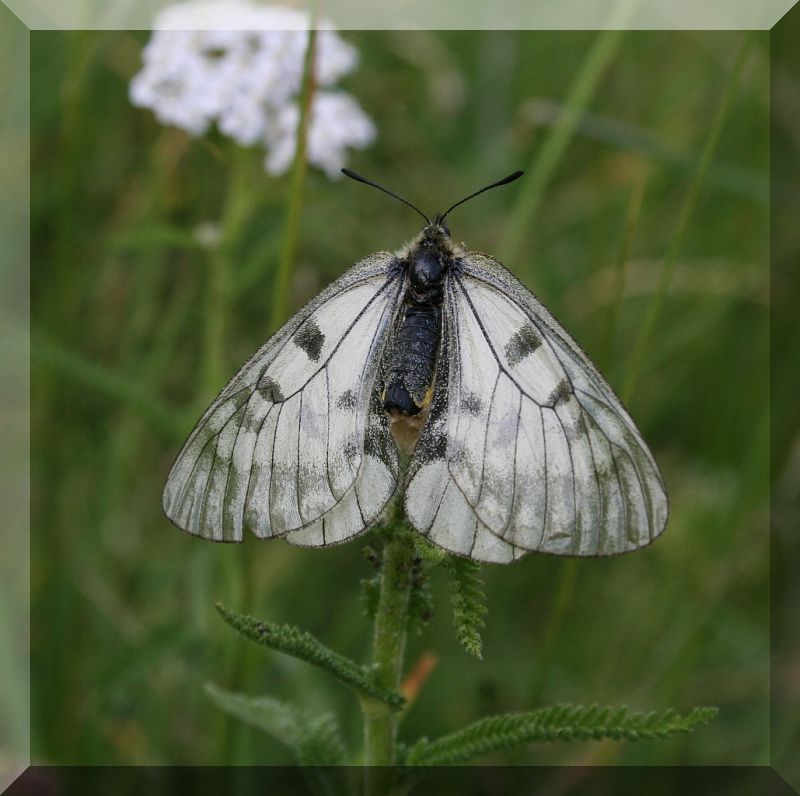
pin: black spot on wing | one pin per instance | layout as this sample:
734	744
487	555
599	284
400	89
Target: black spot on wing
437	446
269	390
351	451
310	339
377	443
522	344
560	394
347	400
472	404
378	439
575	431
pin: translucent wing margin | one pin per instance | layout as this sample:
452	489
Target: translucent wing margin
535	440
293	446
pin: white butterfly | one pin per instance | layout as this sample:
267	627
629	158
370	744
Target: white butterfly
516	441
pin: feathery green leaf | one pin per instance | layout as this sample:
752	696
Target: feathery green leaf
556	723
469	602
428	551
313	738
300	644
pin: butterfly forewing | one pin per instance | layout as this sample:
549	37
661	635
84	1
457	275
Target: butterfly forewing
294	441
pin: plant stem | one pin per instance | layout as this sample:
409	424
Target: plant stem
381	720
241	200
294	207
239	204
631	220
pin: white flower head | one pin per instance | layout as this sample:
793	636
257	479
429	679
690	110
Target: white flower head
239	65
336	123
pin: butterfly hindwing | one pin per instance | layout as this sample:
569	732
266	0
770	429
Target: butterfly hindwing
434	503
293	446
532	437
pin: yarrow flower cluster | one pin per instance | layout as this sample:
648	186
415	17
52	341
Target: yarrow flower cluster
240	66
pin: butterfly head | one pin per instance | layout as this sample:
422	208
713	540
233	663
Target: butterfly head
435	236
437	227
429	256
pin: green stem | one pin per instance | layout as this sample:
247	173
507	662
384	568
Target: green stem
220	294
685	215
381	720
239	204
240	668
631	220
294	208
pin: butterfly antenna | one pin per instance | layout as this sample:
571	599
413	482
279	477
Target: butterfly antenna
511	177
359	178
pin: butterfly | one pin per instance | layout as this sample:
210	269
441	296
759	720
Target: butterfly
433	373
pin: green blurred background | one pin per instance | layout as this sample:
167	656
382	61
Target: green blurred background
137	321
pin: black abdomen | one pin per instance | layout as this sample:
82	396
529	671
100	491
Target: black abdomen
411	362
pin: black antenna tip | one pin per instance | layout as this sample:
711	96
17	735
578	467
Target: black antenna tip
511	177
350	173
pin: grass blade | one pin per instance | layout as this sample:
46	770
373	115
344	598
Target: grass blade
544	164
294	208
684	217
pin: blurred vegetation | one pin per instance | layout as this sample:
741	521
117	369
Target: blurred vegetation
135	328
785	450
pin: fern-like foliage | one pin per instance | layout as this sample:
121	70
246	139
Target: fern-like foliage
557	723
301	644
426	550
314	739
469	602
